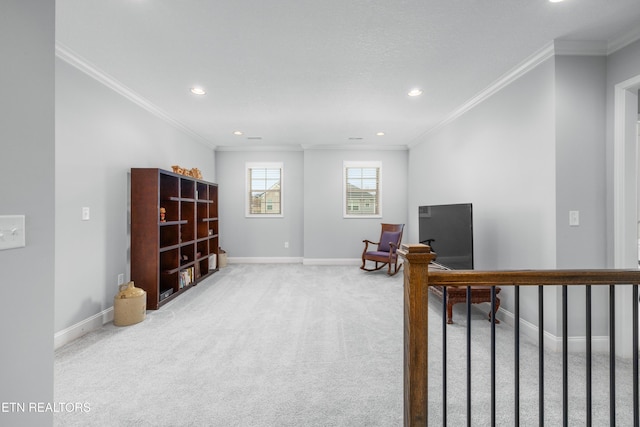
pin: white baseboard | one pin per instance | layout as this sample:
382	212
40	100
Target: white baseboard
332	261
264	260
81	328
575	344
294	260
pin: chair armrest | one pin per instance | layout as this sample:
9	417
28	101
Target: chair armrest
366	244
393	247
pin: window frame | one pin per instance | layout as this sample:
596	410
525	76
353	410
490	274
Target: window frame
248	189
361	164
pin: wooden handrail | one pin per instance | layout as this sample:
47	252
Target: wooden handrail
418	278
532	277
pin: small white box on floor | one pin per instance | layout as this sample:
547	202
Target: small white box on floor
212	262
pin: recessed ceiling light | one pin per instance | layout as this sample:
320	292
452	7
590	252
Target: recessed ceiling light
197	91
237	133
380	133
415	92
555	1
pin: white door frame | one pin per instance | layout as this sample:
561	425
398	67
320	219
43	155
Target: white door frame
625	221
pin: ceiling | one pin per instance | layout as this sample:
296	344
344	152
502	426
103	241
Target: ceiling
332	73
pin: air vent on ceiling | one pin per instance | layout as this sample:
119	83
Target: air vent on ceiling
254	137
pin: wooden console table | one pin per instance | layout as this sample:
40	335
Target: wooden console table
456	295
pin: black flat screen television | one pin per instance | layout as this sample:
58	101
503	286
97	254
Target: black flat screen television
448	229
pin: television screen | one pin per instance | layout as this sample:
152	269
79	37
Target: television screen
448	229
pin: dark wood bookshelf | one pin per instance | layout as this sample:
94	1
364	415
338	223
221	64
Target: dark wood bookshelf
165	255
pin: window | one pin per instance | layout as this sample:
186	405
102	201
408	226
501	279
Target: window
361	189
264	190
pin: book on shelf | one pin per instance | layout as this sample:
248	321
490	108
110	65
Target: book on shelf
187	277
197	266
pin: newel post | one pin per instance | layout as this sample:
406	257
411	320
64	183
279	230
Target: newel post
416	258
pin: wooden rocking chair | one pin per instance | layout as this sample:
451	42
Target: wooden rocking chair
385	253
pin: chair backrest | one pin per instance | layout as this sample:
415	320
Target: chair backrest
390	233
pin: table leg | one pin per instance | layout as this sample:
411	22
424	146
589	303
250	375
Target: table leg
495	310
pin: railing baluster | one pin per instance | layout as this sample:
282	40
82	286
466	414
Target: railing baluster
444	356
516	351
493	355
417	280
635	301
612	355
469	356
541	355
565	360
588	331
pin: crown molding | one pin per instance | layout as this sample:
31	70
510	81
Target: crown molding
313	147
580	47
254	148
514	74
359	147
75	60
556	47
624	40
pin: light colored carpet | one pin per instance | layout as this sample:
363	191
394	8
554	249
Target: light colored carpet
294	345
254	345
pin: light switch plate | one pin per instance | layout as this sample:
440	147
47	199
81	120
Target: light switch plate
12	231
574	218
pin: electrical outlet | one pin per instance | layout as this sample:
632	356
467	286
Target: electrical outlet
120	279
286	245
86	214
12	231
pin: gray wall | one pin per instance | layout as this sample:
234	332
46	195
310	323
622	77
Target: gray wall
100	136
27	174
500	156
580	180
525	157
313	223
243	237
580	166
327	234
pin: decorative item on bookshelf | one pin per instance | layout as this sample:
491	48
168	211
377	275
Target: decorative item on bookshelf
163	215
193	172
